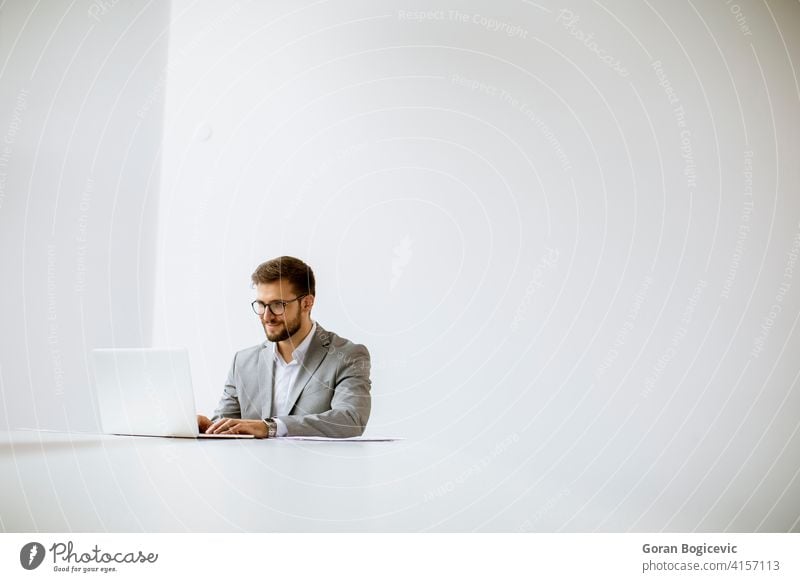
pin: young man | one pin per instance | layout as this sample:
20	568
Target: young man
302	381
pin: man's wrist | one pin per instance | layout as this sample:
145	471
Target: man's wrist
272	427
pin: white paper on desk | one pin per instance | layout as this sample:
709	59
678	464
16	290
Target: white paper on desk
357	439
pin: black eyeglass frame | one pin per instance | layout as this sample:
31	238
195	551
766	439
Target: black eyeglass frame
276	302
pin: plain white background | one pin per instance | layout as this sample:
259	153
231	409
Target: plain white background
567	233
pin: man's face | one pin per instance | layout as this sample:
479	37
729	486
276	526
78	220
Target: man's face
280	327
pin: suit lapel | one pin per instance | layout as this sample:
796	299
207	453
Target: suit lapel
266	359
317	351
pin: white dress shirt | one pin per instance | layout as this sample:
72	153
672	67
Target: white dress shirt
284	378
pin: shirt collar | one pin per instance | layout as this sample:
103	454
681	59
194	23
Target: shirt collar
300	351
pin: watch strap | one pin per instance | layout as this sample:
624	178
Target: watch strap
272	427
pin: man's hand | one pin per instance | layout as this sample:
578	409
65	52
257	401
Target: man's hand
203	422
257	428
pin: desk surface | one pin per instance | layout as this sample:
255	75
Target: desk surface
80	482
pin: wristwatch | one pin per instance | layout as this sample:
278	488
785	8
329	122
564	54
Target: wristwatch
272	427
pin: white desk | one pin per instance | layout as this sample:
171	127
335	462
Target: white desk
78	482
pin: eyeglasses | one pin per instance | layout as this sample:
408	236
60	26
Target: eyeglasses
276	307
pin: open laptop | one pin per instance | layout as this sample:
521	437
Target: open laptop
147	392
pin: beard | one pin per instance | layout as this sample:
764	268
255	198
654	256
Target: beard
289	328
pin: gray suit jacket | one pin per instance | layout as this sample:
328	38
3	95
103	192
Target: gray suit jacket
329	398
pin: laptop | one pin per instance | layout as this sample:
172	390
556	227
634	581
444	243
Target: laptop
147	392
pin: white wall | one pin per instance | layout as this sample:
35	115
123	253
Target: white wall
534	243
80	131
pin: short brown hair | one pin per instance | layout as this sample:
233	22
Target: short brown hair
293	270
